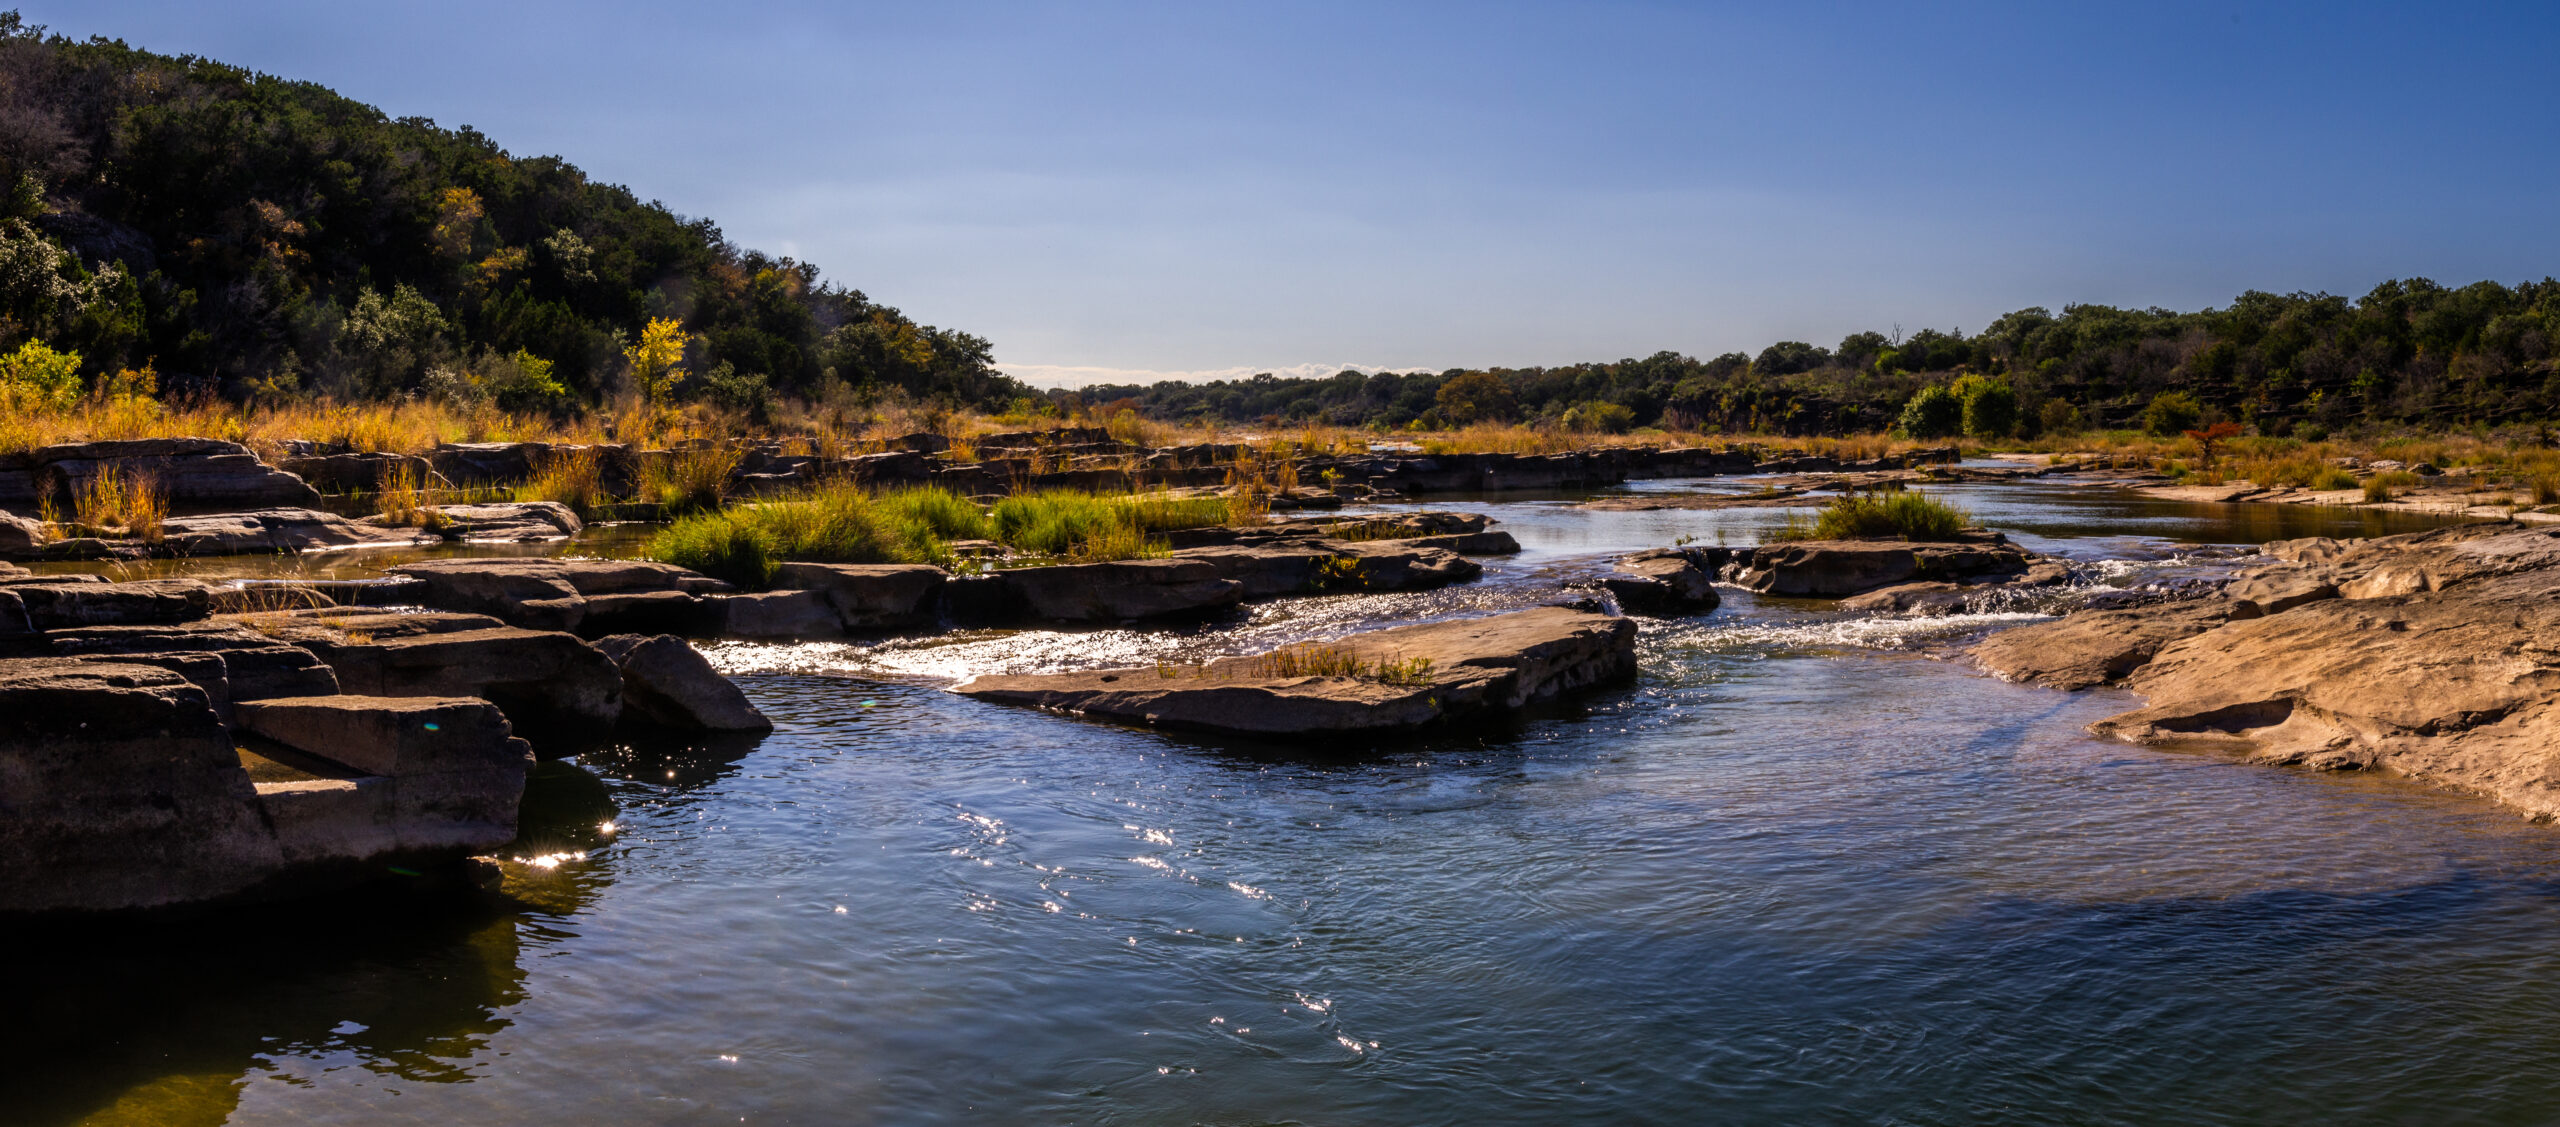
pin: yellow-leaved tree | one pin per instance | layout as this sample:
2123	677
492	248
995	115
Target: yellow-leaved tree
37	378
657	360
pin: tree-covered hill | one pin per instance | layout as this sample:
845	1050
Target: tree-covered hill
257	236
2409	352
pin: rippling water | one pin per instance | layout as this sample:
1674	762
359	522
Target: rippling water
1801	872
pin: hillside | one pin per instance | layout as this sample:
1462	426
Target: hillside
255	236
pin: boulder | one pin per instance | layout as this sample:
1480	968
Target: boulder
21	538
870	596
1833	569
1662	583
121	790
1493	543
438	774
66	605
2094	647
1122	590
1441	672
666	683
267	531
1960	596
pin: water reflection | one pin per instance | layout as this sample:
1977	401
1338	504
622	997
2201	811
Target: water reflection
163	1023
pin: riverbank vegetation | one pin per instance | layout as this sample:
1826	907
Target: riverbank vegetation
1906	515
744	544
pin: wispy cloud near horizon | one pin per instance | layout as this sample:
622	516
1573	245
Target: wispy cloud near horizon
1071	375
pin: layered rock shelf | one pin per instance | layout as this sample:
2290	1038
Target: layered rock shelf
1405	678
2428	655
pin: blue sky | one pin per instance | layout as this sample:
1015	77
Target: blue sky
1128	190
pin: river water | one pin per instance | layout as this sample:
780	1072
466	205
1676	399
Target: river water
1805	870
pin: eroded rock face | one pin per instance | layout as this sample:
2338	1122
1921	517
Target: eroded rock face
1476	667
72	603
195	474
119	788
273	530
435	774
2432	656
870	596
551	684
2094	647
1121	590
555	594
1831	569
2462	688
666	683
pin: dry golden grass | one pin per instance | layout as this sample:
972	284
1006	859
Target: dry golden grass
114	502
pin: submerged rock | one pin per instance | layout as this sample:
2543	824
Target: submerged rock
667	683
1412	676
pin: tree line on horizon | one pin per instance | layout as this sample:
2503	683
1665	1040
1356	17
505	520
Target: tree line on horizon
2409	352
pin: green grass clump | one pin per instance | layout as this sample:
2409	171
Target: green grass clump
721	546
1867	516
2333	478
1092	527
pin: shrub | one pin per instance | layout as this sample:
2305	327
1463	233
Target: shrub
2171	413
1934	412
2546	489
2385	486
1990	407
1600	416
2332	478
2060	419
1855	516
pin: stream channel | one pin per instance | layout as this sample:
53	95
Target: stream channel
1805	870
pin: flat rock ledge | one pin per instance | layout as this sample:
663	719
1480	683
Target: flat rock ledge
1834	569
1477	668
2428	655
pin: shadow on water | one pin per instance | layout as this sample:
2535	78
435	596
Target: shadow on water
162	1023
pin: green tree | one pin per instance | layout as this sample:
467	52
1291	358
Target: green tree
1990	407
1475	397
2170	414
1933	412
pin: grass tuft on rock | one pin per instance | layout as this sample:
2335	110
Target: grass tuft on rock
1878	516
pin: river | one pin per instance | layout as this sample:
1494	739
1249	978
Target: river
1805	870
